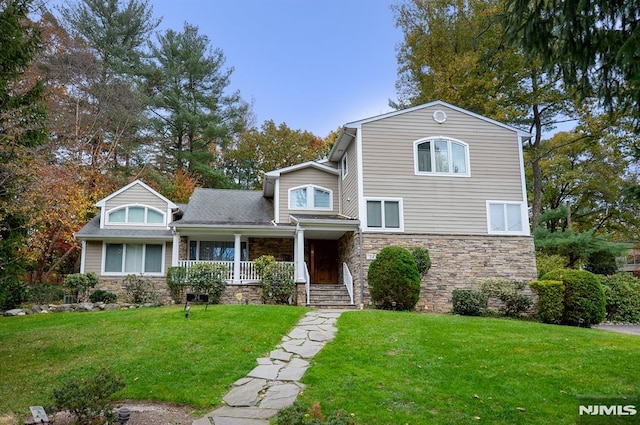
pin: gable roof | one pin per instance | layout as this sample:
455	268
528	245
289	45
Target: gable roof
101	203
349	130
226	207
271	176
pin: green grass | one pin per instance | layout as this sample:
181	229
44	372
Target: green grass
161	355
405	368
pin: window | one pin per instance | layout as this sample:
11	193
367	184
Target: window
133	258
345	166
136	214
384	214
505	217
215	251
441	156
310	197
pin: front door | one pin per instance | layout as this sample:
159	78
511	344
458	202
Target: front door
323	257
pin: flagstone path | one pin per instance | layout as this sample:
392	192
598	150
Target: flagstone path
274	383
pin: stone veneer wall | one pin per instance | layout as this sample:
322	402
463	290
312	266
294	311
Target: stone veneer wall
280	248
116	285
456	262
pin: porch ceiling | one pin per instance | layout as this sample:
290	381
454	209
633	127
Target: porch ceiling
325	226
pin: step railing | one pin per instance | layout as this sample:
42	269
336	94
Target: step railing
348	280
307	283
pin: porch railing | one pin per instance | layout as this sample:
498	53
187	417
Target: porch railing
248	272
307	283
348	280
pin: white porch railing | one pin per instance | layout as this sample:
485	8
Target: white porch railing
348	280
248	272
307	283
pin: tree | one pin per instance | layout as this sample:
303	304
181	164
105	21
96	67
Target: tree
191	114
457	51
269	148
592	44
22	128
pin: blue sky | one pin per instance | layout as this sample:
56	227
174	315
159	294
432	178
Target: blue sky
313	64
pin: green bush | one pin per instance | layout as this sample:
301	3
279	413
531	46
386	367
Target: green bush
277	279
622	292
140	290
509	292
469	302
602	262
394	281
45	294
584	301
208	278
102	296
177	283
549	262
550	304
79	284
423	261
13	293
88	398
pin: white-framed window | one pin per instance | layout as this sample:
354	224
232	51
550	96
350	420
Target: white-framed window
216	250
441	156
310	197
136	215
384	214
133	258
345	166
504	217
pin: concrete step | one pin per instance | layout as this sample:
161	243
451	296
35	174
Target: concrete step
330	296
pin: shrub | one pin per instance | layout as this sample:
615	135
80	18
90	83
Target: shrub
584	302
79	284
13	293
45	294
469	302
177	283
102	296
549	262
423	261
550	305
140	290
602	262
88	398
509	292
622	293
208	278
278	283
297	414
394	281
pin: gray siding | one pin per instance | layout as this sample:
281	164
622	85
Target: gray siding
350	184
303	177
136	195
441	204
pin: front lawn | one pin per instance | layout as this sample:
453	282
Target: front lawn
405	368
161	355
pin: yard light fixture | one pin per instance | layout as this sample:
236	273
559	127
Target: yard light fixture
124	414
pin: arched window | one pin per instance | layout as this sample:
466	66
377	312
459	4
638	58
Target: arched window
310	197
441	155
136	214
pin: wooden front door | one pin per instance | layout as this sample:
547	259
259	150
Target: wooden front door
323	257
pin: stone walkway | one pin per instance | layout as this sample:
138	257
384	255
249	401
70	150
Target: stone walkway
274	383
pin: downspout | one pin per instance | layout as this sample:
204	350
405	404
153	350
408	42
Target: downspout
360	241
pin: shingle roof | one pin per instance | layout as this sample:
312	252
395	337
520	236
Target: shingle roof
92	230
224	206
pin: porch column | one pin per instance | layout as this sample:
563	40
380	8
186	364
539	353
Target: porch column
299	255
237	256
175	249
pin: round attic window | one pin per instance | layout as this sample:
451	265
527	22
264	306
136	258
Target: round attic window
439	116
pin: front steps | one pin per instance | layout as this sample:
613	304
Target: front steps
332	296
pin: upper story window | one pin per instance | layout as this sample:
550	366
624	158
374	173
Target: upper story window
441	155
136	214
505	217
345	166
310	197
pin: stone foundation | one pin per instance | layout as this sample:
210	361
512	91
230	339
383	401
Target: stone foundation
456	262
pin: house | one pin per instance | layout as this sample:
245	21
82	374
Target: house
433	176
